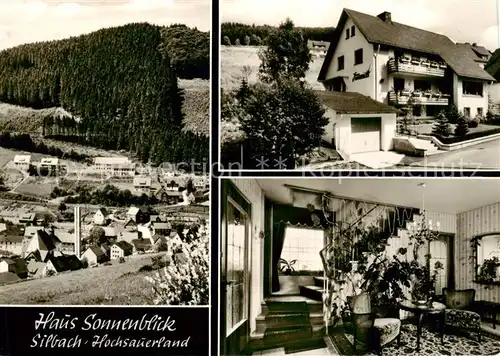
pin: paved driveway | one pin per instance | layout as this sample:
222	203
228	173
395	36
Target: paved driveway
482	156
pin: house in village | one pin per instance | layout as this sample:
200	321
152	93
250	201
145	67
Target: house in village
13	244
125	231
318	48
27	219
58	263
51	164
115	166
3	227
67	241
95	255
478	53
121	249
22	162
168	196
141	246
36	269
391	62
31	231
16	265
41	245
100	216
142	185
138	215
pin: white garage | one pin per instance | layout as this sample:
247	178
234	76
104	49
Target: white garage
365	134
358	124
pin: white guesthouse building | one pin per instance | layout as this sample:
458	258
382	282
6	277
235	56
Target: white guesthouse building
389	61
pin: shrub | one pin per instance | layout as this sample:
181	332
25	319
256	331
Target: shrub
256	40
237	42
121	260
85	262
442	126
246	40
452	114
185	280
226	41
462	128
473	123
158	262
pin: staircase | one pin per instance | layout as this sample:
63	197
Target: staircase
294	322
425	147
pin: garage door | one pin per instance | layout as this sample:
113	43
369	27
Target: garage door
365	134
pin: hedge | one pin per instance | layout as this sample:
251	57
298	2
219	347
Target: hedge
454	139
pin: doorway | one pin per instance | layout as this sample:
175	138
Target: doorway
235	281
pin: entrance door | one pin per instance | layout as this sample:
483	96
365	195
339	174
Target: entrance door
235	297
365	134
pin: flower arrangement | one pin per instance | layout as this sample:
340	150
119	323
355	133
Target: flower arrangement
185	278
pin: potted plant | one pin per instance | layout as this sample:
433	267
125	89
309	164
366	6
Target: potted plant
488	270
437	94
434	64
417	93
405	58
443	65
415	60
428	93
286	267
425	62
405	92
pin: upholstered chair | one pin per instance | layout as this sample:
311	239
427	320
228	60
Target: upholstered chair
458	312
369	330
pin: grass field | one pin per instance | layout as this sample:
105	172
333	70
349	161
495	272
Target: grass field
108	285
234	58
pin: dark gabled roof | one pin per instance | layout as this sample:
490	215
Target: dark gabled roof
472	52
398	35
482	51
142	244
124	245
493	65
353	103
60	263
47	242
96	250
103	211
73	262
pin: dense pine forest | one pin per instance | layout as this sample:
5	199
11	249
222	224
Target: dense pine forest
256	35
120	85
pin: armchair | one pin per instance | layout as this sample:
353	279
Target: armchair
458	313
370	330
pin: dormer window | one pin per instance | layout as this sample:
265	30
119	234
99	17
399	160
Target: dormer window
347	34
353	31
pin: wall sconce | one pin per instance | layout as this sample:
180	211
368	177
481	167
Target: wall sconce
381	80
261	234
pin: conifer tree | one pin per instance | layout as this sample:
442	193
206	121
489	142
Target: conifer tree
442	126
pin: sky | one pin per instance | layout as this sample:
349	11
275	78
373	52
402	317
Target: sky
25	21
473	21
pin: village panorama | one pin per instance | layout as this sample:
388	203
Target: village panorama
104	185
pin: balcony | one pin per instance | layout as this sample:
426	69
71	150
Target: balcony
420	98
416	67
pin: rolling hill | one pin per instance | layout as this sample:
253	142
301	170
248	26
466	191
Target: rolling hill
120	87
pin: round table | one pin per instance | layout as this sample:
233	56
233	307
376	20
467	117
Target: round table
422	309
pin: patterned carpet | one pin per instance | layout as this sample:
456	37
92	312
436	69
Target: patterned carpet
430	344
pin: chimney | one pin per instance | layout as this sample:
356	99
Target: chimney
78	234
385	16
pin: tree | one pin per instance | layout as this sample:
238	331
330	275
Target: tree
286	54
283	122
256	40
226	41
62	207
442	126
462	127
246	40
97	236
237	42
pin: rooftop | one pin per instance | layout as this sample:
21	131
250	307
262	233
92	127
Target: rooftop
353	103
394	34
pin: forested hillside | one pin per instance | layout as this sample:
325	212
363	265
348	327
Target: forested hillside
256	35
118	83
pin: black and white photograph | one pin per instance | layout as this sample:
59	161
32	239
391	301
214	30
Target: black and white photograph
359	85
359	266
104	152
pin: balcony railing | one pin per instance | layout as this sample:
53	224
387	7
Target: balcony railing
424	68
401	98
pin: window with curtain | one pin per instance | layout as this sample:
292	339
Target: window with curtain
303	245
